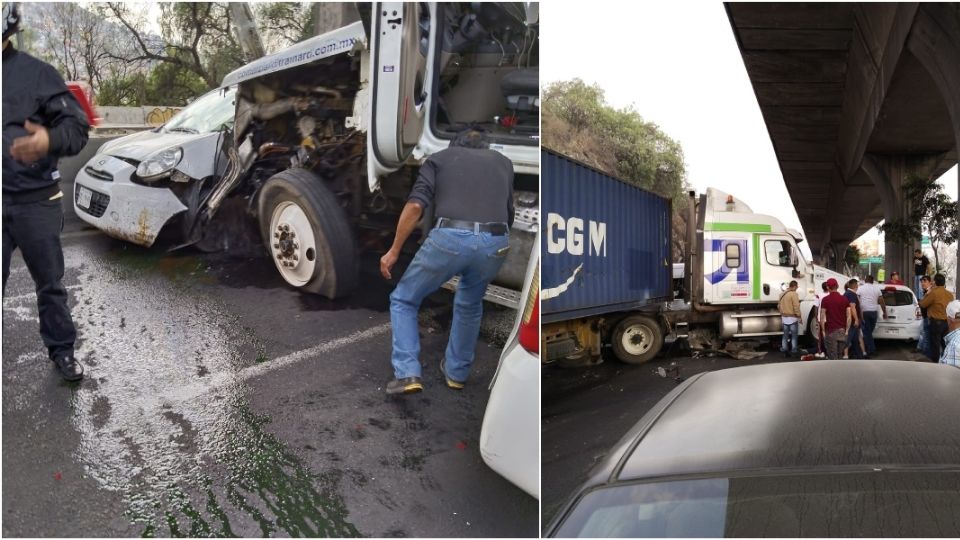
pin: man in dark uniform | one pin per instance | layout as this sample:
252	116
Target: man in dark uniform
470	189
41	122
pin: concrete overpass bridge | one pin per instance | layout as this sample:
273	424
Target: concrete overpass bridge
855	98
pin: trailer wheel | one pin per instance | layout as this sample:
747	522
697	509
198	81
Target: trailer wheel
636	339
307	234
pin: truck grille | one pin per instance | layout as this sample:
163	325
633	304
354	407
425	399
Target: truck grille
98	203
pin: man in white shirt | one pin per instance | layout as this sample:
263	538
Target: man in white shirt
871	301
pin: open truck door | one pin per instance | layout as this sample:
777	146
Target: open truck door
400	39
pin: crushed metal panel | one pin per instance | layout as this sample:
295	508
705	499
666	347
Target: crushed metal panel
341	40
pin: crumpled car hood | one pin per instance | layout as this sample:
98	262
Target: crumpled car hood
139	146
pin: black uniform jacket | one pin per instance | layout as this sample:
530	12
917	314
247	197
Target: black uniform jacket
33	90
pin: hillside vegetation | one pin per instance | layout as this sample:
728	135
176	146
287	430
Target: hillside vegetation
578	122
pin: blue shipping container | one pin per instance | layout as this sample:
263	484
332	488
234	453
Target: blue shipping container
605	243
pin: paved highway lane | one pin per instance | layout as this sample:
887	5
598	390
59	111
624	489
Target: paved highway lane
218	401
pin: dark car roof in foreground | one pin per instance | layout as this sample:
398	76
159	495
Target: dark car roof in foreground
810	415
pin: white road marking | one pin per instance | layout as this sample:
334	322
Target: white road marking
223	379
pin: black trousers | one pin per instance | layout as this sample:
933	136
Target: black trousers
938	329
35	229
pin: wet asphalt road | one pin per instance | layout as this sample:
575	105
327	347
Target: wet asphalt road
585	411
218	401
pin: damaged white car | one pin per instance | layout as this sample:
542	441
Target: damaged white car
135	184
320	143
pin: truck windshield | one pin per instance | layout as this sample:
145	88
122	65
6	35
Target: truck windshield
876	504
211	112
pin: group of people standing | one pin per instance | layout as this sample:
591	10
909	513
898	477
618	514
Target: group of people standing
846	322
840	318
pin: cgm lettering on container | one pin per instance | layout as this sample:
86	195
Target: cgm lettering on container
568	235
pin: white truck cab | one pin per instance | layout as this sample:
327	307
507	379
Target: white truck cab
749	260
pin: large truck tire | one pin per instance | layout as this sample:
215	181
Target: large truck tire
308	234
812	327
636	339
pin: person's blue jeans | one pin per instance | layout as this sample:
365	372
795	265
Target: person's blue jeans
477	258
790	334
853	342
917	288
923	343
869	324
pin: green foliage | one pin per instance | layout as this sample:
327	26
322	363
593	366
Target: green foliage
578	121
168	84
852	256
128	91
931	213
620	141
282	24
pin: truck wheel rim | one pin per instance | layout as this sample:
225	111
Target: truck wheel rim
292	243
637	340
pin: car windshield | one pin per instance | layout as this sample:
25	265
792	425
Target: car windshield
897	297
211	112
874	504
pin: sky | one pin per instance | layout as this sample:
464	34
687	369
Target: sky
679	65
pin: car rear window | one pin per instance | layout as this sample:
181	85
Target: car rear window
875	504
897	298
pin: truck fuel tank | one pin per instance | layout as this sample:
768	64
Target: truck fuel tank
750	324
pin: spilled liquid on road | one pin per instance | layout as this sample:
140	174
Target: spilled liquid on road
194	463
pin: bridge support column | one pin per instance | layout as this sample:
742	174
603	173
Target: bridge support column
888	175
935	41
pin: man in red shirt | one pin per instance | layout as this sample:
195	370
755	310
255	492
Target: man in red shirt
835	316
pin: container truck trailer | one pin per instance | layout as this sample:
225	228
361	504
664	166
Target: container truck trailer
608	272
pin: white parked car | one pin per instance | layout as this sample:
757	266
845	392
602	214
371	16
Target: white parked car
903	314
510	437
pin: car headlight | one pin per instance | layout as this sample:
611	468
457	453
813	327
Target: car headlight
160	164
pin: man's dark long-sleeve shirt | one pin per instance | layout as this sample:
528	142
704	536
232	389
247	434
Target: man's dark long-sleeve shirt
469	184
33	90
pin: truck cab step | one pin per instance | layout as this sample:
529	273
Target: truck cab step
495	293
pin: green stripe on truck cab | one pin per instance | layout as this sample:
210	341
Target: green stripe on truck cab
736	227
755	274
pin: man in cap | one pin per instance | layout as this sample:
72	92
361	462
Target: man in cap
837	316
41	123
469	187
951	353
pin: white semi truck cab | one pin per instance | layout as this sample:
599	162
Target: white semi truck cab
741	262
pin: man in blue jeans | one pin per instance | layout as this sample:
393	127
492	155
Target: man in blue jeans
789	307
470	189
